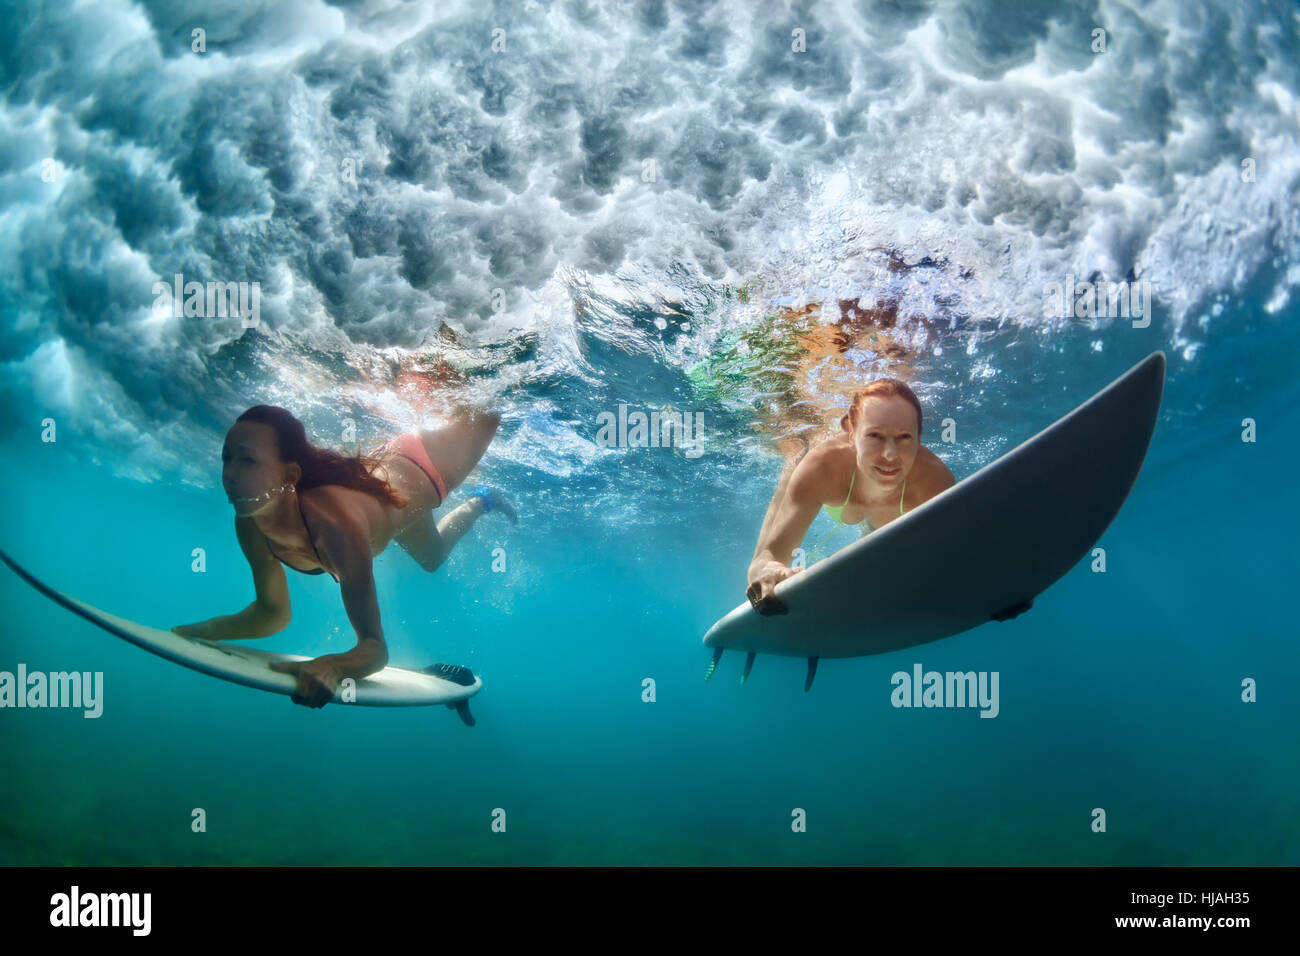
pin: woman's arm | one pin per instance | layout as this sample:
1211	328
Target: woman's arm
782	532
785	531
252	621
269	614
345	544
777	497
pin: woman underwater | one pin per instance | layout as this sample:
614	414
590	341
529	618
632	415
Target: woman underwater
872	473
330	513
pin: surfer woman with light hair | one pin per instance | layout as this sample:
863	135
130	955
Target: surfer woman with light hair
317	511
873	472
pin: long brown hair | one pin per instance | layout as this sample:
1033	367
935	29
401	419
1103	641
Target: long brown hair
882	388
320	466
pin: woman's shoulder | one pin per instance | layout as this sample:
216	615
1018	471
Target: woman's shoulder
832	452
335	515
934	476
327	504
823	470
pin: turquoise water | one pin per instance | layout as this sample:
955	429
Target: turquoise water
1119	690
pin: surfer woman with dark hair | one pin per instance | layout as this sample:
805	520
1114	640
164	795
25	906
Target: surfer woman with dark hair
869	475
318	512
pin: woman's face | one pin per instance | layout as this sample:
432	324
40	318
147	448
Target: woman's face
885	438
251	466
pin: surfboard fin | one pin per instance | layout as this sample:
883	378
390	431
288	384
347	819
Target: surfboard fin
457	675
713	665
462	707
749	663
812	672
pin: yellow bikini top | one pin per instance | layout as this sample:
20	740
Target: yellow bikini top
838	512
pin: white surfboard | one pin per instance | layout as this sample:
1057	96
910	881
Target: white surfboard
983	547
390	687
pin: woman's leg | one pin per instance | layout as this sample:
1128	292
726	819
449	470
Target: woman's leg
429	542
457	447
454	450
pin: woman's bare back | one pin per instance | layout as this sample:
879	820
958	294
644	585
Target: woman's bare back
381	521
